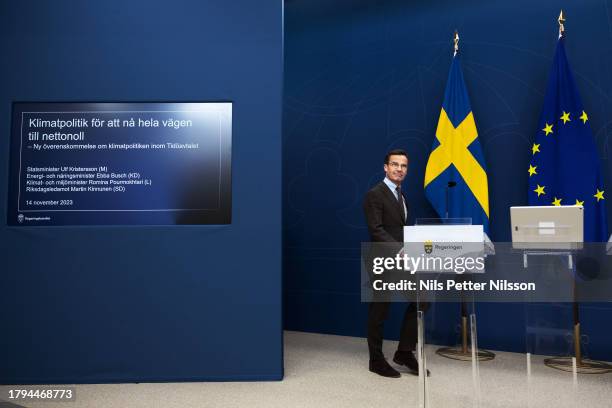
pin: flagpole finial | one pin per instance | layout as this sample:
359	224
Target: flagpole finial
456	41
561	21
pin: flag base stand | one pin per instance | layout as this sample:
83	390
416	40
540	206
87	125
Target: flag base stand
582	366
463	352
457	353
576	363
585	366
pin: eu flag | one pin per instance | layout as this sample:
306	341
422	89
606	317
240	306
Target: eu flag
456	168
564	168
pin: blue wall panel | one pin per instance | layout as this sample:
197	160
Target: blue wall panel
105	304
364	77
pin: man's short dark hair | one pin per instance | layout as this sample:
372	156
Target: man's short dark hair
395	152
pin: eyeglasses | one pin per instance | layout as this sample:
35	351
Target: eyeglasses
396	165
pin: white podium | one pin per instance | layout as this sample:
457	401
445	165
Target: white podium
444	240
448	238
553	232
444	233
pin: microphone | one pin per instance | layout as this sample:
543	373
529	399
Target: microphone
450	185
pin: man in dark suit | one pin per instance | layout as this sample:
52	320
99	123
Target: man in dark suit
386	212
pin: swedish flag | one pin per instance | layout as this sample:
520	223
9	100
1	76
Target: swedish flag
564	168
456	157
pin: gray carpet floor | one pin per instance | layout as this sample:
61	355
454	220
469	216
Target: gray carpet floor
331	371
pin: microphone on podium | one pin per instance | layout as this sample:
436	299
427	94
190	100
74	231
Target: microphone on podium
450	185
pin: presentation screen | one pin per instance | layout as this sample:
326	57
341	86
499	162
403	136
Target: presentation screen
120	164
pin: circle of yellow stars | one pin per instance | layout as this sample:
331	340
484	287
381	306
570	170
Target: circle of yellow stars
533	170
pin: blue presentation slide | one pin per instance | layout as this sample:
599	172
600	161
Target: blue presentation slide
120	164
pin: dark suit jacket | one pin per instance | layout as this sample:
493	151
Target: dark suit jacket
385	224
384	215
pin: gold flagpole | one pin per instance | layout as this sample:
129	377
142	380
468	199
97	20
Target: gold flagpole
456	41
583	365
463	352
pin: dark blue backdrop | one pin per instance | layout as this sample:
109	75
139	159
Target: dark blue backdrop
97	304
363	77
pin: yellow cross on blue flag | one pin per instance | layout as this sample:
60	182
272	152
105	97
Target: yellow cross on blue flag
564	167
456	177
